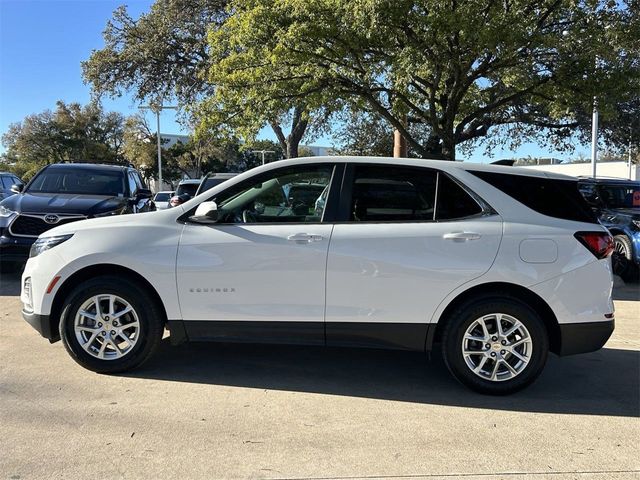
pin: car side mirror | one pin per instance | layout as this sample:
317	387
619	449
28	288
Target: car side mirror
206	213
17	188
144	193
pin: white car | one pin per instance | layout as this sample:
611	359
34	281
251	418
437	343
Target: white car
161	199
499	265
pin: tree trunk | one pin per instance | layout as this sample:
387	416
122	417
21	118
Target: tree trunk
449	148
400	147
292	148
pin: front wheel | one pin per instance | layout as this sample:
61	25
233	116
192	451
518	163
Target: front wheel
110	325
495	346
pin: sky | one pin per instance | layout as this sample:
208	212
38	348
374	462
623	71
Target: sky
42	43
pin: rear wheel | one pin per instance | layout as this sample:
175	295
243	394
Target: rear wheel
110	325
622	259
495	346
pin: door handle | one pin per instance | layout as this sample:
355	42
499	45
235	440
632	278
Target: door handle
304	238
461	236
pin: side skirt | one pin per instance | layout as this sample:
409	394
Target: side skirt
395	336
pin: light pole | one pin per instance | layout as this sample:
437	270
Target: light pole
157	109
630	149
594	136
594	115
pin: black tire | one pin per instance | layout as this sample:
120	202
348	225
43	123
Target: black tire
464	316
149	314
622	259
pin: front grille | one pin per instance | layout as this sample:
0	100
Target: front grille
32	226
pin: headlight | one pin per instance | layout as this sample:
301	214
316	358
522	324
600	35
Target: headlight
5	212
45	243
636	223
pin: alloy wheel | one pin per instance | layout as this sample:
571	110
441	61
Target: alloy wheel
497	347
107	327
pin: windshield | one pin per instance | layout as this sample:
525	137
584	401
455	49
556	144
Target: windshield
79	181
620	196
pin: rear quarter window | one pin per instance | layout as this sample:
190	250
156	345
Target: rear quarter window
549	196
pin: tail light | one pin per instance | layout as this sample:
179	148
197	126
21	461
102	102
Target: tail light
598	243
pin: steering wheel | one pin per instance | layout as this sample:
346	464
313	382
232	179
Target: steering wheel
299	208
249	216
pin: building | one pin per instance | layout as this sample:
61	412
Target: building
603	169
170	139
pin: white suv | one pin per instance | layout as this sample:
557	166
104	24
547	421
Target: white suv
499	265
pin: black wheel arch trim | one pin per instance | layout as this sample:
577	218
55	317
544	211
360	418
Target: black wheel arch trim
100	269
499	290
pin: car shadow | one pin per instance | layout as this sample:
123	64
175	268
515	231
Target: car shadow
606	382
630	292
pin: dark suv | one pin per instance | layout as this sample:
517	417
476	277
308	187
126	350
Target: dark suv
63	193
617	203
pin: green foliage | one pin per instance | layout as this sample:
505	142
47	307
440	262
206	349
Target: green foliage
164	55
193	159
461	68
161	55
70	133
359	132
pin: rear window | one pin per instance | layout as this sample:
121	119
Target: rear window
209	183
188	188
162	197
548	196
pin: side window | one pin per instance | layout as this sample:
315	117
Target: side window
5	182
557	198
133	186
384	193
291	195
453	201
16	181
138	179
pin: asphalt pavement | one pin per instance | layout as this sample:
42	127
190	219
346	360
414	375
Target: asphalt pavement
242	411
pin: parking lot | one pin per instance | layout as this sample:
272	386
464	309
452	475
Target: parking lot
229	411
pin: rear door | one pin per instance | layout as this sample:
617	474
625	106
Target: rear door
408	236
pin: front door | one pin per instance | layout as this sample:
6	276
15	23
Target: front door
259	273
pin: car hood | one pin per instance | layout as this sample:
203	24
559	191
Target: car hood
63	203
147	219
629	212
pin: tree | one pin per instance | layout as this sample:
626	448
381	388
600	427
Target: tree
192	159
165	55
461	68
359	132
70	133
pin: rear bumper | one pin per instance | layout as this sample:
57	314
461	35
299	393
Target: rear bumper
584	337
42	324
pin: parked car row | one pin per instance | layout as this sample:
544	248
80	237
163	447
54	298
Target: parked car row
187	189
63	193
617	205
499	265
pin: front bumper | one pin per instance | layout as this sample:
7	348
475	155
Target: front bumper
584	337
43	325
15	249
